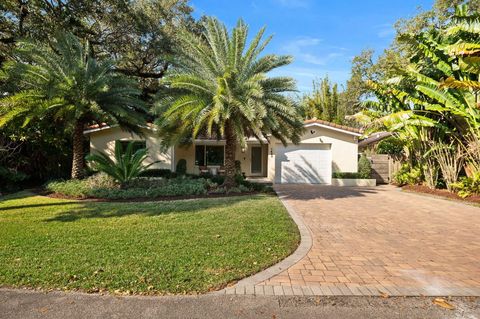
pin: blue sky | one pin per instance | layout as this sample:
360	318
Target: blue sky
323	36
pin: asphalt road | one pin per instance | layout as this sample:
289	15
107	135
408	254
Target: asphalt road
27	304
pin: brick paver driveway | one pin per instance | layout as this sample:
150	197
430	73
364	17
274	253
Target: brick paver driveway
381	240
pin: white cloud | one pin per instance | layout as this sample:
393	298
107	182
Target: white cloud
306	75
303	49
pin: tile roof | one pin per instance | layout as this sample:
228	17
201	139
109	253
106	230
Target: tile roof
334	125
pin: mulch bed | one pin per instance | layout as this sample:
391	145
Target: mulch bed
43	192
440	193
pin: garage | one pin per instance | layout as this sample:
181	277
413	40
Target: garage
303	164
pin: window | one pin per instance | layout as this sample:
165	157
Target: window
209	155
137	145
215	155
200	155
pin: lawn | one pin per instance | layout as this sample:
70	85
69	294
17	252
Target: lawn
189	246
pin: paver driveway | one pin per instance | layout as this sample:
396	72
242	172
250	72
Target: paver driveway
382	240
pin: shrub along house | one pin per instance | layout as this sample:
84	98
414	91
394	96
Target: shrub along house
324	148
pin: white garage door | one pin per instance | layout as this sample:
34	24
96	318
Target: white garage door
303	164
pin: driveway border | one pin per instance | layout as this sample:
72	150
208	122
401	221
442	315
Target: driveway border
306	242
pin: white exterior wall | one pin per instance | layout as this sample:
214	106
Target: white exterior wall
188	153
104	141
344	149
343	145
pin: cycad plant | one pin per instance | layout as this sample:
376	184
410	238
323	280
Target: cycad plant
221	89
126	166
66	83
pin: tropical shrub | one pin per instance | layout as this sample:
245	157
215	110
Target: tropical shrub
127	164
364	167
408	175
467	186
392	146
181	168
450	158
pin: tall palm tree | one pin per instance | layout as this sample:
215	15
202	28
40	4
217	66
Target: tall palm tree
221	89
65	82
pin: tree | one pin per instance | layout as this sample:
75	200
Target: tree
66	83
139	35
432	104
323	103
221	89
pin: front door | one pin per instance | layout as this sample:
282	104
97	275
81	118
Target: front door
256	160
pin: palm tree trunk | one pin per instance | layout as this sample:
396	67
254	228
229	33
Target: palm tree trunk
230	149
78	163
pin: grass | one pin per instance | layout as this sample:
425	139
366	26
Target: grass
190	246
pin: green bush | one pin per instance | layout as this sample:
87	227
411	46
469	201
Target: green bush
11	179
239	178
391	146
71	188
172	188
346	175
181	168
408	175
467	186
364	167
98	187
161	172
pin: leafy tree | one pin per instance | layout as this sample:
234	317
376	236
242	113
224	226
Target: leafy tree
433	102
222	90
127	165
66	83
138	35
323	103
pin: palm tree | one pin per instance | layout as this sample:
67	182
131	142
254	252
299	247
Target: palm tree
65	82
221	89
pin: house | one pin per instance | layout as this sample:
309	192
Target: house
324	148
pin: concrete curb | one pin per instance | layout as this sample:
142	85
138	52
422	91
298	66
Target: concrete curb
306	242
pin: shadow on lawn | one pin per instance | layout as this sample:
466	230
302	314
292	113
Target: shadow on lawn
151	209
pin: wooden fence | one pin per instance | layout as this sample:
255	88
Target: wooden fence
384	168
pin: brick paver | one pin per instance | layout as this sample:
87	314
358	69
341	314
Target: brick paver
381	242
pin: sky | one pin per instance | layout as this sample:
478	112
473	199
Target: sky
322	36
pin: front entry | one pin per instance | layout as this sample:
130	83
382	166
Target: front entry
256	160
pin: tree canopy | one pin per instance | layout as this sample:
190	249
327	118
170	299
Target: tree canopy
221	89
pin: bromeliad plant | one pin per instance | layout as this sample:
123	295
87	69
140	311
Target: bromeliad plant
127	165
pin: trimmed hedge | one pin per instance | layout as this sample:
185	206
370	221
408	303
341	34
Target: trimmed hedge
347	175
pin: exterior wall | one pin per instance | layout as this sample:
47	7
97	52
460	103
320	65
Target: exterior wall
188	153
344	149
104	141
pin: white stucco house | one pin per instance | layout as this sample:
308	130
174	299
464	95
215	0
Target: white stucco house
324	148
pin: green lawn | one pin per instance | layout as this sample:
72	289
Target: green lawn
158	247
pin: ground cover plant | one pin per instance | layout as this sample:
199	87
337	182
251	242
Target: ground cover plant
189	246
